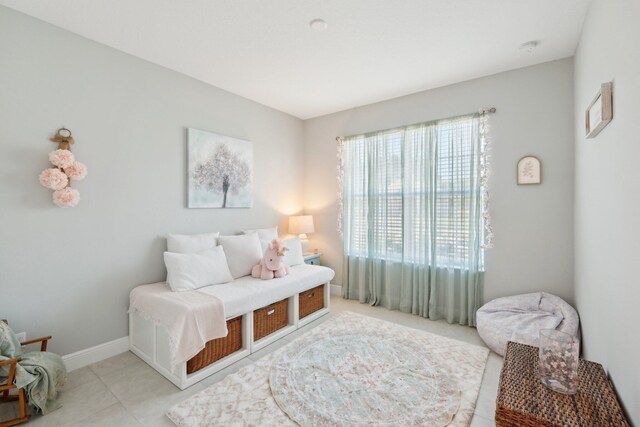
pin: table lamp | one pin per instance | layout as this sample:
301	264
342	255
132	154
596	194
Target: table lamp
302	224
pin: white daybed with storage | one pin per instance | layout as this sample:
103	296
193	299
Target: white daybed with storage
258	312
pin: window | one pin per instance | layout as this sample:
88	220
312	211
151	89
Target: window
413	194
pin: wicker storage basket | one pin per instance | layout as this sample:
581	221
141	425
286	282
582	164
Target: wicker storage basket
523	400
269	319
311	301
218	348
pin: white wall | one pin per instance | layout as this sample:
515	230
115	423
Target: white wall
533	224
68	272
607	206
72	269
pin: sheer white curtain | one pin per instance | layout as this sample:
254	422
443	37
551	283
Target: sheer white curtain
413	220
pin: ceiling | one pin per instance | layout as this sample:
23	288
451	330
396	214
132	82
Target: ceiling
372	50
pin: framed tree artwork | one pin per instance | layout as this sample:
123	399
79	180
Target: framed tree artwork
529	171
219	170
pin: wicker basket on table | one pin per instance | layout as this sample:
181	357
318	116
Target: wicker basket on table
523	401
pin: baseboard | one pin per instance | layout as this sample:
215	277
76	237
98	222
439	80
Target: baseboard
336	290
85	357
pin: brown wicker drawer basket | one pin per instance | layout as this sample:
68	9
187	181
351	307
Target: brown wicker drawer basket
218	348
311	301
269	319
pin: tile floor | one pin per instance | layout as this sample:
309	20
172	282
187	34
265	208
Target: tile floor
124	391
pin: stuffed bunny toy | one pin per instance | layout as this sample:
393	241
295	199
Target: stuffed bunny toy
272	264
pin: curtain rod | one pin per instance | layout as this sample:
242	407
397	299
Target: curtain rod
489	110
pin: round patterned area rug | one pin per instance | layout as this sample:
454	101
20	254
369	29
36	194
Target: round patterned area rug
363	380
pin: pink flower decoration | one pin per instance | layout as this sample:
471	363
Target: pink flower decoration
77	171
66	198
53	179
61	158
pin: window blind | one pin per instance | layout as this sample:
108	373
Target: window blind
413	194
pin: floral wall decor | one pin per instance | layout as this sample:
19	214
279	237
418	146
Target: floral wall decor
66	169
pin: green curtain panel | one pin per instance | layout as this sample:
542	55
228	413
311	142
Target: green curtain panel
412	218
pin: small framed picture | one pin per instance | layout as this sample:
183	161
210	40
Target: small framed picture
529	170
600	111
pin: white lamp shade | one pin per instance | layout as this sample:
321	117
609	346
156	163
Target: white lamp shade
301	224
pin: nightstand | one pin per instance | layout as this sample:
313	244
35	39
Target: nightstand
312	259
523	400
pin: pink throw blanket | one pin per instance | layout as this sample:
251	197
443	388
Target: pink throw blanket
191	318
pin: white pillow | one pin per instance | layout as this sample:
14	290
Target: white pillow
294	255
243	252
264	244
186	272
267	234
190	243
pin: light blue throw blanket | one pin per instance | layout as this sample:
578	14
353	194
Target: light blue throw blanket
41	373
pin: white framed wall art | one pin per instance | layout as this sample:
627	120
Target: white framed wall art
220	170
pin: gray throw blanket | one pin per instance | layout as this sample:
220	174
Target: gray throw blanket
41	373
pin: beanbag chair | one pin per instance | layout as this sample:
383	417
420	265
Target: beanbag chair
519	318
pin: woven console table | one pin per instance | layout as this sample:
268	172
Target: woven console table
524	401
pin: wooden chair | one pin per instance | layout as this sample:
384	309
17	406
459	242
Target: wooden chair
5	388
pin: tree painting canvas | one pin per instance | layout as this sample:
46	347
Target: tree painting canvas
220	171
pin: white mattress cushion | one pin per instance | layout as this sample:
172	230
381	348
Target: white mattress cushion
246	293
